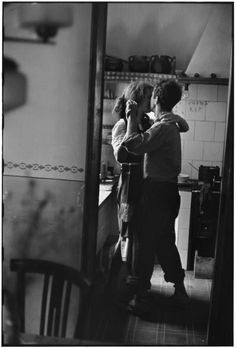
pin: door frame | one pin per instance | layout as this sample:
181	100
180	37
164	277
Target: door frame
94	138
220	321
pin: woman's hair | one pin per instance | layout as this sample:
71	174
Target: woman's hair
169	93
136	91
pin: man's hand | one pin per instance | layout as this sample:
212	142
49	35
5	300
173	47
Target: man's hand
178	120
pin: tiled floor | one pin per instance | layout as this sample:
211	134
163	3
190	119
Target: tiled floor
164	325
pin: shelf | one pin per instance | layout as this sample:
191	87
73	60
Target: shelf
131	76
204	80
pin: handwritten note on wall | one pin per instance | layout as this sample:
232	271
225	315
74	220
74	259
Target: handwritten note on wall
196	109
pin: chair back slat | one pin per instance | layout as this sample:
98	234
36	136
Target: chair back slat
44	304
53	316
85	295
56	303
66	308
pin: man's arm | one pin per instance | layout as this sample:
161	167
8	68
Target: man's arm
148	141
180	122
140	143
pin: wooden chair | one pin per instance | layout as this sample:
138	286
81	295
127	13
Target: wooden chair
54	310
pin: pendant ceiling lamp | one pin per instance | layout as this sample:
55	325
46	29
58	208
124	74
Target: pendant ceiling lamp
45	18
14	85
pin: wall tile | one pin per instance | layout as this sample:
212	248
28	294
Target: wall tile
183	257
197	164
184	216
213	151
186	168
180	108
195	109
185	200
182	242
207	92
222	93
193	150
192	90
176	228
216	111
220	131
189	135
204	130
194	174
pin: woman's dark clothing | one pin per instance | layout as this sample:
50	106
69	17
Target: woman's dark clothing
129	219
129	193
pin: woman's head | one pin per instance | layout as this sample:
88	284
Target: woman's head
138	91
168	94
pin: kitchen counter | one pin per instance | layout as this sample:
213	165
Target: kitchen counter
190	185
106	188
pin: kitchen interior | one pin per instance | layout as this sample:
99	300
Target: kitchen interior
75	207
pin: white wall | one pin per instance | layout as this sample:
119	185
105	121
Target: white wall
45	140
50	129
205	110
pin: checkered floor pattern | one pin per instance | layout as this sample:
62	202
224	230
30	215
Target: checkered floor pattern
164	325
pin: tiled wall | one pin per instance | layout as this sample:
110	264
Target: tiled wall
205	110
182	227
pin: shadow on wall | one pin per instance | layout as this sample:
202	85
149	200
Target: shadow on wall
41	230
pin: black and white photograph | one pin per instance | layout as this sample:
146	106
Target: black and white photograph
117	173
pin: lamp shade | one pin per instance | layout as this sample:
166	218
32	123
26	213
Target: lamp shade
32	15
14	86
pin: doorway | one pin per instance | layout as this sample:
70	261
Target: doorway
116	31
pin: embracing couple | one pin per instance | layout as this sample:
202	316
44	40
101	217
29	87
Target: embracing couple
149	152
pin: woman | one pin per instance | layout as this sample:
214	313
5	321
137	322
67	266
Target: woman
129	187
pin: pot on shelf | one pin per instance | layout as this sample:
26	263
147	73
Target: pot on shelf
162	64
138	63
113	63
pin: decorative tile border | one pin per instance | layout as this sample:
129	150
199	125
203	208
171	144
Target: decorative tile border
47	167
